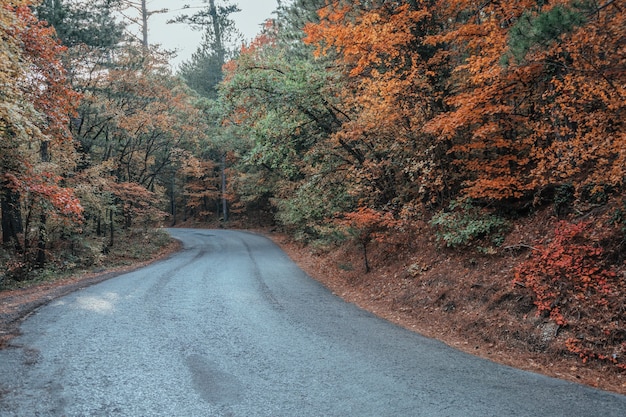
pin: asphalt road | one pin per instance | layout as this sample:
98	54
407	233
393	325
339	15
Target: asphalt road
231	327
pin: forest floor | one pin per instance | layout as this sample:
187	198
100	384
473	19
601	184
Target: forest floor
463	299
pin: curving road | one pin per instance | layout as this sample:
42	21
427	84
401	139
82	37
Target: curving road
231	327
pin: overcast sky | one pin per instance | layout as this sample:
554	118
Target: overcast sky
182	38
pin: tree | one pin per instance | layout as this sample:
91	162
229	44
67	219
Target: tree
135	118
391	92
521	115
203	72
285	103
365	225
88	23
35	123
201	185
15	120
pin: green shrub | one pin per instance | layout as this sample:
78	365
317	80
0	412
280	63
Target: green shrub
564	196
465	224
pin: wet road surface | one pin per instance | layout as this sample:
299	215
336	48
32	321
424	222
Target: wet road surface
230	326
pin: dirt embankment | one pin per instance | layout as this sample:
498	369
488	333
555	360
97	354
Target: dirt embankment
462	298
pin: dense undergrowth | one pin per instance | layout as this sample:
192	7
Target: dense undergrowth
134	246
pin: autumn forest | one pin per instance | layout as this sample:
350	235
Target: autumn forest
369	122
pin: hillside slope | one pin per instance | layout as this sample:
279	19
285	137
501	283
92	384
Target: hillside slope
466	299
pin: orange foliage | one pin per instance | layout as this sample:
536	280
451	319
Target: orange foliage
583	136
373	38
138	204
368	223
557	117
392	92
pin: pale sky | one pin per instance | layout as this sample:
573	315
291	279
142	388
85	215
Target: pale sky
184	40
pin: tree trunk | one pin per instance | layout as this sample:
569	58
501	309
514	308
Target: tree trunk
112	227
365	260
173	200
11	217
217	29
224	202
128	218
40	260
144	23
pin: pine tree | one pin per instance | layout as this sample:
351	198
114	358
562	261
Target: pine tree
89	23
220	42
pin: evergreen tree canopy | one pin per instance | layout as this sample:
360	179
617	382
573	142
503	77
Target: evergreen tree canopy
90	23
220	42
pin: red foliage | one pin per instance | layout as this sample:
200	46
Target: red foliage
570	283
367	223
48	86
62	199
45	188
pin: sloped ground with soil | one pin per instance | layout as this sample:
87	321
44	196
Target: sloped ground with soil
462	298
